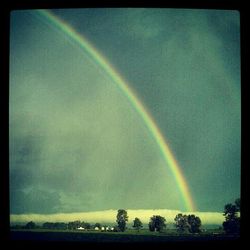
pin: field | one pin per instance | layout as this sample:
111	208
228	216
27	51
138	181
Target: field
128	236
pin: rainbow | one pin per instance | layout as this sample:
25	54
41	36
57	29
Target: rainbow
84	44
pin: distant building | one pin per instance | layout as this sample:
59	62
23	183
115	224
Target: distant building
80	228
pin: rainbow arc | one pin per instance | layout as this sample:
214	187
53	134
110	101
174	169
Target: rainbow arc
167	154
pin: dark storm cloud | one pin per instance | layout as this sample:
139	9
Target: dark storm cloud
34	201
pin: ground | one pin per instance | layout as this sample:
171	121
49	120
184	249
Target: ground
128	236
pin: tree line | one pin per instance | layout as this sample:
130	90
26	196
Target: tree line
73	225
183	223
157	223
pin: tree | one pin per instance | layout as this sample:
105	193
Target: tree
194	223
137	223
30	225
157	223
232	223
74	224
181	223
121	219
151	226
70	225
189	223
86	225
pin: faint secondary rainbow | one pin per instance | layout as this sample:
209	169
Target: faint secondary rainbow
124	86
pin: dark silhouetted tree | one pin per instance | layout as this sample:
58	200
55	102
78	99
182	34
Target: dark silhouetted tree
151	226
137	224
86	225
157	223
121	219
74	224
194	223
232	223
181	223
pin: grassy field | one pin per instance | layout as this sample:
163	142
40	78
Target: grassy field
127	236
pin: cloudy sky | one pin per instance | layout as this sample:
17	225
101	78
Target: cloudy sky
76	142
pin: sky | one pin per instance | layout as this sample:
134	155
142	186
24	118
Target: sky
77	144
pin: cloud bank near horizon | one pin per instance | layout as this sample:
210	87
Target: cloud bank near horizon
109	216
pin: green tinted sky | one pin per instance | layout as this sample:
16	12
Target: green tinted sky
77	144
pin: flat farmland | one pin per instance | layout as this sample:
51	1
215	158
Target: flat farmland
129	236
